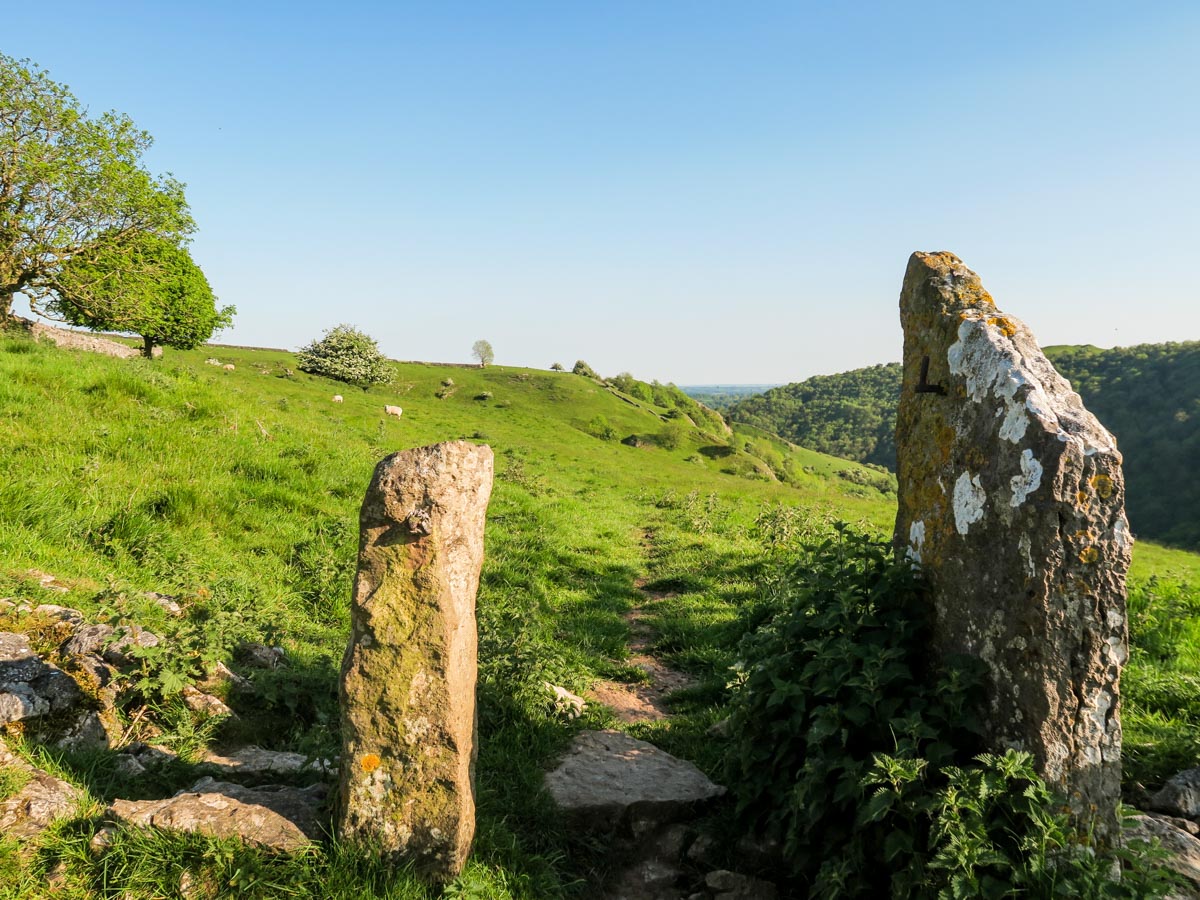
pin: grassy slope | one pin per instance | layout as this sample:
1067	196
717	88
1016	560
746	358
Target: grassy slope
239	491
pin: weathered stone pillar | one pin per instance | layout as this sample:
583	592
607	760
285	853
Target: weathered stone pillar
408	677
1012	501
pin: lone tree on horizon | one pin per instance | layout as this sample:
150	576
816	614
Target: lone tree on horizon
482	351
70	185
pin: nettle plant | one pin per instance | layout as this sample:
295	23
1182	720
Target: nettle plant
860	749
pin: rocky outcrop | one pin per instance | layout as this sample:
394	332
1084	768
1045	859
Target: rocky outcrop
608	779
408	677
274	816
1011	499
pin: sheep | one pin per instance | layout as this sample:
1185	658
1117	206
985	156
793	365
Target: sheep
337	398
393	411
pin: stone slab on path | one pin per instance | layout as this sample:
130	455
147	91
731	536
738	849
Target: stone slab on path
608	777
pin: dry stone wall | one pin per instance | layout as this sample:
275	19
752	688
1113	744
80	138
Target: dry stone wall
1011	499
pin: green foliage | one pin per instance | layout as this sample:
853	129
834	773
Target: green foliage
582	368
67	180
992	830
1161	684
346	354
556	367
834	677
482	351
671	437
143	284
599	427
856	747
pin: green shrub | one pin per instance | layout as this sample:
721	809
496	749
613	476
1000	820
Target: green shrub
837	696
837	675
994	830
582	368
346	354
600	428
671	437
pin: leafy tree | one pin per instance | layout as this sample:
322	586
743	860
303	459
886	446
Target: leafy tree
346	354
582	368
482	351
556	367
68	182
142	284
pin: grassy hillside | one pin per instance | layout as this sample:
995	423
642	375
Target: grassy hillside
1148	396
238	492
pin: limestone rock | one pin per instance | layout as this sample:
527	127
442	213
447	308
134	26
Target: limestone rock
18	662
257	761
608	777
39	802
1180	796
260	656
278	817
90	639
205	704
563	702
1011	500
1184	849
408	677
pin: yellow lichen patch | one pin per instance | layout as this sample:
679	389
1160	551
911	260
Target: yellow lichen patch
1081	497
1006	325
370	762
1089	555
1102	485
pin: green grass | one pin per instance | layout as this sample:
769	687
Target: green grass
238	491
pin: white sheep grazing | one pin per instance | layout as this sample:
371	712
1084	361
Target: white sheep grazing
393	411
337	398
229	367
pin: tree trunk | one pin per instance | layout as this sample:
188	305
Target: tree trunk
148	347
6	301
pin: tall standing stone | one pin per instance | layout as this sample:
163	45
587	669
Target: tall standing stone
408	677
1012	502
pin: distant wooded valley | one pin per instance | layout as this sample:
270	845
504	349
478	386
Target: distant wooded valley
1147	395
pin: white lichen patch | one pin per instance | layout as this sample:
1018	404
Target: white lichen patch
969	500
1026	549
415	729
1121	535
916	541
1028	481
1015	424
1117	653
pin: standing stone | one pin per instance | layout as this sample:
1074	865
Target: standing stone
1012	503
408	677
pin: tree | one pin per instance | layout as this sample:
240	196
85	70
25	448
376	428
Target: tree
346	354
67	180
482	351
556	367
142	284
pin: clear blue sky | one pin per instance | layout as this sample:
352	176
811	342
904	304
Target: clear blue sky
694	192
